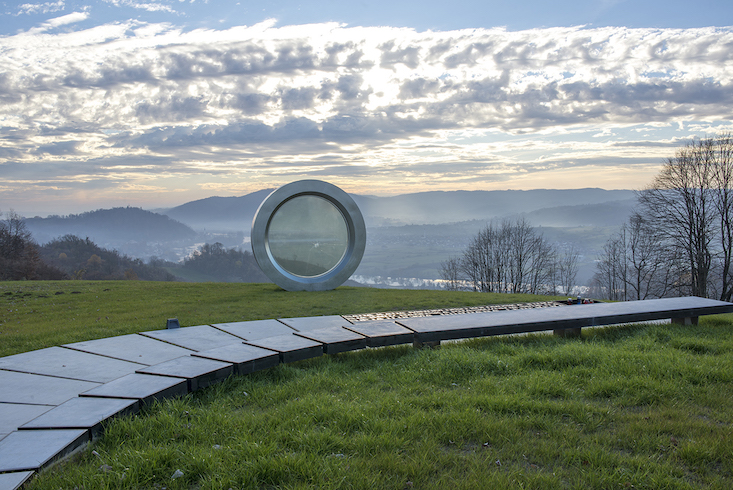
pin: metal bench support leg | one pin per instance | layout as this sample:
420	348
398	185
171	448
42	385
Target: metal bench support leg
690	320
419	345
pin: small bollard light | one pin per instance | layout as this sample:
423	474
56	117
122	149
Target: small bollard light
173	323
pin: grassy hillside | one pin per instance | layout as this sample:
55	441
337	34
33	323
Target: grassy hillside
639	406
634	407
40	314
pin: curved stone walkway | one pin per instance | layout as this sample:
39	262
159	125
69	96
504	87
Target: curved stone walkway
53	401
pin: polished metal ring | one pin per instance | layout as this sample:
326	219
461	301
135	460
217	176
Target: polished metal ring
308	236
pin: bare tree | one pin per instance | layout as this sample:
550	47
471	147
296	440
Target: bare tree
647	270
474	264
508	258
450	272
636	263
680	240
690	206
13	236
679	203
567	269
521	238
542	268
484	261
722	150
15	245
610	272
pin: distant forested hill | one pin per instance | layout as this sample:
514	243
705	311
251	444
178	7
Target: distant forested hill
111	226
214	262
83	259
437	207
220	213
611	213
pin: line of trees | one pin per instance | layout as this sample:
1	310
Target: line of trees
679	241
511	257
72	257
67	257
226	265
20	257
81	258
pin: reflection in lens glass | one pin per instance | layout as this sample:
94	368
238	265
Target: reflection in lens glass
307	236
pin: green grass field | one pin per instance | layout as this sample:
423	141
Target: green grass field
41	314
640	406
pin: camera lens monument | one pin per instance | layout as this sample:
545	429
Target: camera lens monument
308	235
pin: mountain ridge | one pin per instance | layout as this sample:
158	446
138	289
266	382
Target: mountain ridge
215	212
428	207
408	234
111	225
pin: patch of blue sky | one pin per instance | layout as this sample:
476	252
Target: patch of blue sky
423	15
660	74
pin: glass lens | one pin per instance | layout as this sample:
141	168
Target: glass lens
308	236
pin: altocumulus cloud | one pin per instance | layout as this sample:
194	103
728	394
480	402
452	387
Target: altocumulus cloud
360	98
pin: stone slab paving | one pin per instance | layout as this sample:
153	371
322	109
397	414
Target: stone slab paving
83	413
380	333
68	363
335	339
34	389
245	358
26	450
13	415
134	348
199	372
143	387
256	329
12	481
291	347
197	338
304	324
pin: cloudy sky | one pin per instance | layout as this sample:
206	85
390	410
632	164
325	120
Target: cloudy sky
156	103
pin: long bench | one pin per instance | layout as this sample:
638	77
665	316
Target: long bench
684	310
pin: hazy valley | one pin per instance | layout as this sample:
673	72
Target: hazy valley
408	235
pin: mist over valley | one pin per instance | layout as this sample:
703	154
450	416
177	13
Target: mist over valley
408	236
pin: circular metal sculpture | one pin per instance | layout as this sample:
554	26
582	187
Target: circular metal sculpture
308	236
